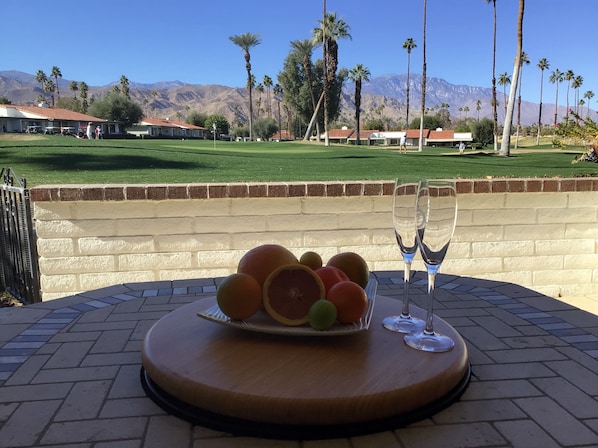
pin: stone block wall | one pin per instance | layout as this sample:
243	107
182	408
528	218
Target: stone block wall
539	233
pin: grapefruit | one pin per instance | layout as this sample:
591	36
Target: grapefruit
260	261
350	300
311	259
290	291
239	296
353	265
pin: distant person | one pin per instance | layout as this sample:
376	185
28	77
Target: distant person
403	144
461	148
89	130
98	132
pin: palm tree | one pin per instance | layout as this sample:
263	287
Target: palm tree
268	83
478	107
331	29
494	101
83	89
246	42
358	74
50	87
588	95
423	102
505	148
260	89
569	76
543	64
41	78
408	45
556	77
278	96
56	73
304	49
503	80
524	60
577	83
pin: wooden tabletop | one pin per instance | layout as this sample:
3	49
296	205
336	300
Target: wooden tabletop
299	380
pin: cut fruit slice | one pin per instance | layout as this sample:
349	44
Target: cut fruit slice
290	291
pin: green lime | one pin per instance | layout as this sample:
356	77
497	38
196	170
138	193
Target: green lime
322	315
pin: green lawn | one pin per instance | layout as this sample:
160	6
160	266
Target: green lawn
66	160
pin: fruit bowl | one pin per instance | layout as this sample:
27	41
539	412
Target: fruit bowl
261	322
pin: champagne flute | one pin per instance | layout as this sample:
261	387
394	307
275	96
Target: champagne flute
403	216
436	216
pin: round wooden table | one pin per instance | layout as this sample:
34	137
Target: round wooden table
298	387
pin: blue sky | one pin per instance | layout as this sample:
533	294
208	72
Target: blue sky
188	40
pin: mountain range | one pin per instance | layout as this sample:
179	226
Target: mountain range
382	96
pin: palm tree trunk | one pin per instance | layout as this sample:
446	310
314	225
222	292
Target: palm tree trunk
423	105
540	110
494	103
326	83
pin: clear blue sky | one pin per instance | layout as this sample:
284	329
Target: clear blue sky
188	40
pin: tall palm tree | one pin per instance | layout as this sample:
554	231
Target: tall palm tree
568	76
50	87
246	42
408	45
83	90
56	73
478	107
41	77
577	83
268	83
424	68
503	80
524	60
494	99
358	74
543	64
505	144
304	48
588	95
556	77
330	31
260	89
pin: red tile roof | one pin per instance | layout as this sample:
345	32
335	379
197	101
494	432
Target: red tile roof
53	113
414	133
340	133
441	135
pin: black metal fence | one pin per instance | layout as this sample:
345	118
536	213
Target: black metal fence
19	269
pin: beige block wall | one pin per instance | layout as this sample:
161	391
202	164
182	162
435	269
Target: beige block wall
545	241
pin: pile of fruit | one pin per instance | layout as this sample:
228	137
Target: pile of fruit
296	291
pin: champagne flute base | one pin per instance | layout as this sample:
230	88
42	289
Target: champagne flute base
400	324
429	342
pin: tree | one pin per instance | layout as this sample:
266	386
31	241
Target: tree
358	74
41	78
4	100
265	127
423	88
331	30
543	64
124	86
117	107
588	95
197	119
568	76
478	107
483	131
430	122
524	60
222	126
304	49
503	80
556	77
83	90
56	73
494	101
246	42
408	45
505	148
268	83
50	87
577	83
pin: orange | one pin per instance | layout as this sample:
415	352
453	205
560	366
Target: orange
239	296
311	259
290	291
353	265
331	276
260	261
350	300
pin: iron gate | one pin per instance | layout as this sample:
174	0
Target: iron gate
18	257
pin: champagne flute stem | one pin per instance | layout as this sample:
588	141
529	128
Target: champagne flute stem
429	329
405	314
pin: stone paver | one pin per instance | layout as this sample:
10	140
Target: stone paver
69	371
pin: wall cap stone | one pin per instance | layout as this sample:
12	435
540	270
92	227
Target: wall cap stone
161	192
